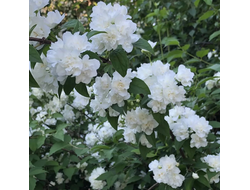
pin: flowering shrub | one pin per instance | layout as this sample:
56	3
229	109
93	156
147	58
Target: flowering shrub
108	111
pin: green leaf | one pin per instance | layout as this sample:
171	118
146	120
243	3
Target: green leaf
202	52
190	151
215	67
69	172
185	47
32	183
93	33
217	91
174	54
193	60
82	89
40	141
58	146
196	3
133	179
59	135
144	150
91	55
33	144
214	124
113	121
138	86
143	44
188	184
70	24
203	180
215	34
69	85
208	2
76	27
170	41
32	81
36	170
119	61
34	56
80	150
205	16
31	29
61	126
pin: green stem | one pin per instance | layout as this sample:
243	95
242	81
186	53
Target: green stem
195	56
159	33
168	37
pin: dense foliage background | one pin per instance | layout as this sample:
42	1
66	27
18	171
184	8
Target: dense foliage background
186	32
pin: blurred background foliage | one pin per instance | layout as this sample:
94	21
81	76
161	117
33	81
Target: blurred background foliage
186	32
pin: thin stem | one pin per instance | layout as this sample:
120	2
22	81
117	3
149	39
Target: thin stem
153	186
194	56
168	37
159	33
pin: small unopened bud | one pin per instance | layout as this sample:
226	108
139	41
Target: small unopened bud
195	175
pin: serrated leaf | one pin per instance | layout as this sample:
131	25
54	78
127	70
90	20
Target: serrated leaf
143	44
138	86
34	56
119	61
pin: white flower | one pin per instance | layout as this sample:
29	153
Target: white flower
64	58
210	84
197	141
144	141
97	184
68	113
195	175
59	178
115	22
54	18
80	101
91	139
166	171
184	75
213	161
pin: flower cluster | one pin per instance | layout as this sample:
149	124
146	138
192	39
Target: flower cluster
114	21
98	133
64	58
166	171
183	121
136	121
214	162
162	83
43	24
109	91
96	184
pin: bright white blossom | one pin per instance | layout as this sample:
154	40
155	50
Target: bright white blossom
64	58
162	85
109	91
184	75
114	21
97	184
166	171
183	121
